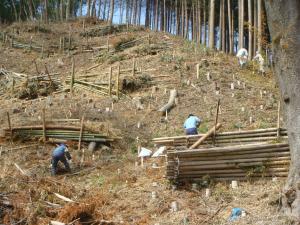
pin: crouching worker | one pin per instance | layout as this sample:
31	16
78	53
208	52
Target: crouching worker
191	124
62	154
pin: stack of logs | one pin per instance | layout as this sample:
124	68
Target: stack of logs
234	155
68	133
225	138
239	162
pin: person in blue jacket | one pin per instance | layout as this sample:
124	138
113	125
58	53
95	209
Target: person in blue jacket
191	124
62	154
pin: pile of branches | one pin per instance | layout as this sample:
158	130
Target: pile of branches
103	30
107	30
28	87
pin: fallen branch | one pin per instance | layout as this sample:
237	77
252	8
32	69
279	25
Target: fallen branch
63	198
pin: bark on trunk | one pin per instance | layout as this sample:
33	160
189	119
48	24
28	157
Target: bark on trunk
284	26
111	13
241	24
250	29
229	27
212	24
259	24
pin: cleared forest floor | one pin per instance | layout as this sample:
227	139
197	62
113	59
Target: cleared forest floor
111	187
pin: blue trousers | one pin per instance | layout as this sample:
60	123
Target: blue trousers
191	131
55	160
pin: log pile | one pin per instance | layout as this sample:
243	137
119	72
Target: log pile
225	138
239	162
67	133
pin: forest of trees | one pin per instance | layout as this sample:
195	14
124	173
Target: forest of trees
226	25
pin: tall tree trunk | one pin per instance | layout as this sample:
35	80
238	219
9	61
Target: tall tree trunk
104	9
147	17
46	10
199	23
212	24
80	8
223	26
61	10
30	6
204	20
68	10
177	18
165	17
15	10
250	29
111	13
121	11
259	25
255	26
88	13
182	18
241	24
284	26
230	27
156	15
186	30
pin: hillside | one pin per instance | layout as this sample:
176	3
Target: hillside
110	187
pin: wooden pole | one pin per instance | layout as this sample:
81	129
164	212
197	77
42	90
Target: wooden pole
118	80
60	45
48	74
72	75
107	43
44	125
9	125
198	71
216	121
203	138
36	67
109	81
80	139
278	120
42	53
133	67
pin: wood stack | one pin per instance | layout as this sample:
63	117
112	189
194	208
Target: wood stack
225	138
239	162
57	132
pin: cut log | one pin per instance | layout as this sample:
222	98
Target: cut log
167	107
202	139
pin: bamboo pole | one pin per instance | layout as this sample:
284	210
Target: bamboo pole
216	122
118	80
48	74
44	125
225	133
72	75
80	139
9	125
107	43
133	66
198	71
202	139
109	81
278	121
228	149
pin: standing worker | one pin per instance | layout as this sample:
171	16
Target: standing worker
242	56
191	124
60	153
